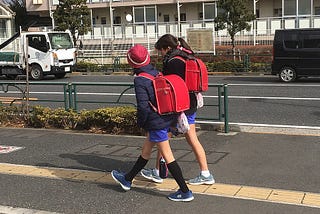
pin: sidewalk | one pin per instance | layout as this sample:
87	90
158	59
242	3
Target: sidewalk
67	172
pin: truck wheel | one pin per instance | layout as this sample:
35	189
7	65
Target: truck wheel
287	74
59	76
36	72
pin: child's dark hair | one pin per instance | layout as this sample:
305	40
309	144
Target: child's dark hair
171	41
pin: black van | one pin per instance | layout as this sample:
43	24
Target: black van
296	53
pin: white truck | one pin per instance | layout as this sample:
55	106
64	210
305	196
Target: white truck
48	53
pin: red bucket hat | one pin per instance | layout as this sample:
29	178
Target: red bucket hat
138	56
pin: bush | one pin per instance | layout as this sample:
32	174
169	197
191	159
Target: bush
115	120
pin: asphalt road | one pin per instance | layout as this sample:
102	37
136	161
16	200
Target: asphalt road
252	99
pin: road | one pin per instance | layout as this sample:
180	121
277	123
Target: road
252	99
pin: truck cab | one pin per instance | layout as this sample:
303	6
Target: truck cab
47	53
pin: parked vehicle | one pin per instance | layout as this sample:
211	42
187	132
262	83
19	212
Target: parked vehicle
296	53
49	53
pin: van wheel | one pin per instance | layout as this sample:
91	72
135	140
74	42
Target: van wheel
287	74
36	72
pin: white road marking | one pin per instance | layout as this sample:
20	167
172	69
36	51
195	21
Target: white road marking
16	210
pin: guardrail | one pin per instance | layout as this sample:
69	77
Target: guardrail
72	98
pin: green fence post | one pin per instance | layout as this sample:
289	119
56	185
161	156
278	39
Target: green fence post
65	97
246	63
226	115
70	95
116	63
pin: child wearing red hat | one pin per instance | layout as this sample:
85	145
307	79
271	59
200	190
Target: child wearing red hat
157	127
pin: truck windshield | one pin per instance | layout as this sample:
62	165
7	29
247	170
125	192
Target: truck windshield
60	40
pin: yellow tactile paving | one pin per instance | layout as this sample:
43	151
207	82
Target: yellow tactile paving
254	192
286	196
299	198
223	189
12	169
107	178
312	199
89	176
167	184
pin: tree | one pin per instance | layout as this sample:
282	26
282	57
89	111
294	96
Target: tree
234	16
72	15
21	18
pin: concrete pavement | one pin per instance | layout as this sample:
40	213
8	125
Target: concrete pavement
262	171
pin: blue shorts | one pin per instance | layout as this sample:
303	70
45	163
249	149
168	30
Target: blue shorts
157	136
191	118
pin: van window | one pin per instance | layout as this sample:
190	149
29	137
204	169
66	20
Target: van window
291	41
311	41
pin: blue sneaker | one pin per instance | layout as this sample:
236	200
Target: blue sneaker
180	196
119	178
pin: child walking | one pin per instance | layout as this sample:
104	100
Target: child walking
156	126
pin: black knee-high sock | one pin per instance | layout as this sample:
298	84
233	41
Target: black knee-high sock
140	163
176	172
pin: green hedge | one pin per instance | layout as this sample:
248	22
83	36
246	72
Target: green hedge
222	66
115	120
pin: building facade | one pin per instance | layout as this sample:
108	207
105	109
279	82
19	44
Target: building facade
146	20
6	21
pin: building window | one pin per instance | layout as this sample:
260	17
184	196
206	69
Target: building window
138	14
277	12
55	2
209	11
290	7
37	1
117	20
150	14
317	11
183	17
297	7
103	20
200	15
166	18
144	14
304	7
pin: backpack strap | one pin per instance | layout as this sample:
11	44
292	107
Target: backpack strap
146	75
150	77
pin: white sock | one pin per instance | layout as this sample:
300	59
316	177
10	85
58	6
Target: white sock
156	171
205	173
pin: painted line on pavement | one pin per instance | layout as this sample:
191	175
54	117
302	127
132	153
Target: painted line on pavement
299	198
15	210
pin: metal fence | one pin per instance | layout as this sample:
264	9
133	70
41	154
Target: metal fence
75	94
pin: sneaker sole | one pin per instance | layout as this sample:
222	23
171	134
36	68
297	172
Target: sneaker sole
181	200
123	186
151	178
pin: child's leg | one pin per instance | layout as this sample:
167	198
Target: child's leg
142	160
174	168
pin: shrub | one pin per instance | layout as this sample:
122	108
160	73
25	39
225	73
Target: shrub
115	120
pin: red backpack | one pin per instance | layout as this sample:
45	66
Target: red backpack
171	93
196	74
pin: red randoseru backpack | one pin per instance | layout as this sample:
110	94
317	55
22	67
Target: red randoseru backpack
196	74
171	93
